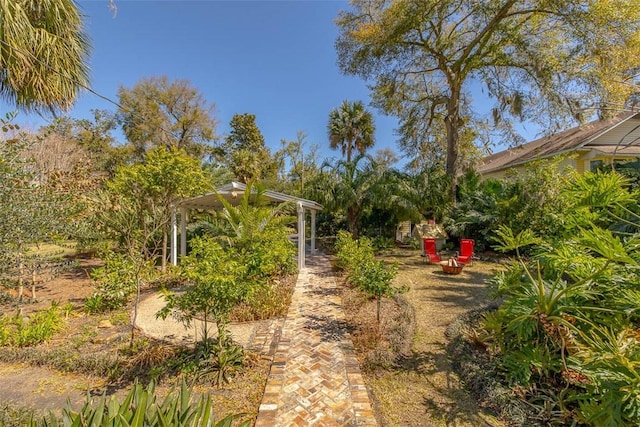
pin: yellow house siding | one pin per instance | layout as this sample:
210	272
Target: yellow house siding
581	162
503	173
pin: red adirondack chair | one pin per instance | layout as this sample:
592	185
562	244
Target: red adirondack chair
466	251
430	252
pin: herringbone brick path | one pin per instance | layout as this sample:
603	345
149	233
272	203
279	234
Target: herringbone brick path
315	379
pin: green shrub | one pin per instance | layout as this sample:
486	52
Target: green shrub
270	255
40	326
529	198
115	281
381	243
352	253
373	277
267	301
216	276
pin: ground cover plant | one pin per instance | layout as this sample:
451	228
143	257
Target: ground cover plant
40	326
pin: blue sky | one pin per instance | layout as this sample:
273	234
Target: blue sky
274	59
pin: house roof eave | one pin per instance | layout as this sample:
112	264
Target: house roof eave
211	200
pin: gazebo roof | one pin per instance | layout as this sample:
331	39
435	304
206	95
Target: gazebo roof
233	193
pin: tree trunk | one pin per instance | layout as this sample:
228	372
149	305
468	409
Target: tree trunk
135	308
164	248
352	220
20	279
452	124
33	285
379	309
205	331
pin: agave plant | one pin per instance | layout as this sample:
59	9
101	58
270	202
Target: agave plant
141	407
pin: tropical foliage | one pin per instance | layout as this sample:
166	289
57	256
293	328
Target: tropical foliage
531	198
350	188
259	233
43	54
142	407
567	331
351	128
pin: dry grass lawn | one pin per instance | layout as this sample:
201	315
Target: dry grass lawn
424	391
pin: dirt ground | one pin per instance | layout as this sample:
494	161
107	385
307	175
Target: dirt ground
97	338
422	392
73	285
40	387
425	391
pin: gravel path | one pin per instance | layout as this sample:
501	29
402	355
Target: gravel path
174	331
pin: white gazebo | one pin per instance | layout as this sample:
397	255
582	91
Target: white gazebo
233	193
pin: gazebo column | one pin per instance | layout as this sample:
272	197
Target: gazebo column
183	231
301	237
313	231
174	237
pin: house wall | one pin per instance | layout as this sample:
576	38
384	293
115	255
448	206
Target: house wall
581	163
566	163
403	230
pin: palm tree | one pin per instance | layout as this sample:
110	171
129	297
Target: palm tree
351	127
351	188
252	216
43	54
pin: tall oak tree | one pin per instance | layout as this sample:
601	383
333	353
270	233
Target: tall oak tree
536	60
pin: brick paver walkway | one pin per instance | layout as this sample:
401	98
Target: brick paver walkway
315	379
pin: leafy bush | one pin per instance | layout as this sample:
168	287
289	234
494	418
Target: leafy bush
38	327
266	301
566	334
352	253
217	286
373	277
141	407
117	281
269	255
531	198
381	243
